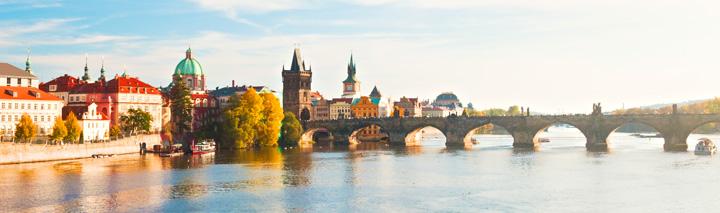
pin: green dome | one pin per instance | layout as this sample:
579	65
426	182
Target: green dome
188	66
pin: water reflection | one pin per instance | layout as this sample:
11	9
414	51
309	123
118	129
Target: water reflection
366	177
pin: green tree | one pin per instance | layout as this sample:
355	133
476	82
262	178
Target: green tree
494	112
73	128
268	129
180	107
291	130
136	120
59	131
25	129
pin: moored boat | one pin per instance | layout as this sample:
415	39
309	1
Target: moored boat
204	147
705	147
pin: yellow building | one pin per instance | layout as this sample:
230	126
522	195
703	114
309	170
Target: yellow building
364	107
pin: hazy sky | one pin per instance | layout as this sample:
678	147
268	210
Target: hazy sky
554	56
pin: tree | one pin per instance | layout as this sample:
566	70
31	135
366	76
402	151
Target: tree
25	129
241	118
73	128
514	110
291	130
180	107
136	120
268	128
115	131
59	131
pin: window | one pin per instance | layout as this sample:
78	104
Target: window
19	80
3	106
53	88
8	81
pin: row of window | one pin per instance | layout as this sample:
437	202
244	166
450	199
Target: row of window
34	106
36	118
9	81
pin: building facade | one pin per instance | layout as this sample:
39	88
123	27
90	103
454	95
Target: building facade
96	126
410	107
297	86
341	108
19	95
364	107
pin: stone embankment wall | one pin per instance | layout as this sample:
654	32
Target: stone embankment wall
11	153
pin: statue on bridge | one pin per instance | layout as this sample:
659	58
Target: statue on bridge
597	109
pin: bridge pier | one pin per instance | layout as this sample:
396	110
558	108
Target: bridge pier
524	140
596	141
675	142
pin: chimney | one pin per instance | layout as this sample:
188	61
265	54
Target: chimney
233	83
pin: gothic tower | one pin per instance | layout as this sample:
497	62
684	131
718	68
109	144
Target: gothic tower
297	88
351	85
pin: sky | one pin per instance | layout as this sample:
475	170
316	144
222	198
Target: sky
555	56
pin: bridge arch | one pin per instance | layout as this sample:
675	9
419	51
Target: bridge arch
309	136
538	139
372	131
637	130
704	129
412	137
489	127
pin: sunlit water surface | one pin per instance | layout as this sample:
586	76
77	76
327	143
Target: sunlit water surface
635	176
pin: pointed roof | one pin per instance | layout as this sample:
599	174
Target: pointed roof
102	70
27	63
375	93
86	76
351	71
298	64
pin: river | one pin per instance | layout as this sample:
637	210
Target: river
635	176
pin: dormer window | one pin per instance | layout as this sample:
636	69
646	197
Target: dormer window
53	88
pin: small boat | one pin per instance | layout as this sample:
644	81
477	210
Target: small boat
705	147
102	155
204	147
544	140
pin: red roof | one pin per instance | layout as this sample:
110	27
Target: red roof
64	83
116	85
25	93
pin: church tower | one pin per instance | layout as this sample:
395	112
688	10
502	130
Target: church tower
351	85
297	88
191	72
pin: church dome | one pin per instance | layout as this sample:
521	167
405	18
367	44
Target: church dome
447	97
188	66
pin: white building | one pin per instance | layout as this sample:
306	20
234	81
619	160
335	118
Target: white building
19	95
341	108
96	126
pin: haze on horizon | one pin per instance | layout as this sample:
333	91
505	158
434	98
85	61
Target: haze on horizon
555	57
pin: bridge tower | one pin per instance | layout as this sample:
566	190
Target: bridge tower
297	83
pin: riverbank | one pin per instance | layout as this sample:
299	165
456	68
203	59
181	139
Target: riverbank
13	153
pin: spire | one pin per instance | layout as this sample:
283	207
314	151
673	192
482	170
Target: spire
86	76
375	93
297	63
351	71
188	53
27	62
124	75
102	69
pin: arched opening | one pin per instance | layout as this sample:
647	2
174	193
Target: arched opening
709	130
371	133
635	135
560	135
316	136
305	114
489	136
426	136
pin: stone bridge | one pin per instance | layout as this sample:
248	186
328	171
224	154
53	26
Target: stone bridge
674	128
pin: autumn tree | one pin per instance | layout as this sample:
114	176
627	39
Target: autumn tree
59	131
291	130
241	118
73	128
268	128
25	129
514	111
115	131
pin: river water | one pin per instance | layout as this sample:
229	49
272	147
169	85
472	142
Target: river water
635	176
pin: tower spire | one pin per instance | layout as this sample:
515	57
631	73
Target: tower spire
86	76
102	69
297	62
27	62
188	52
